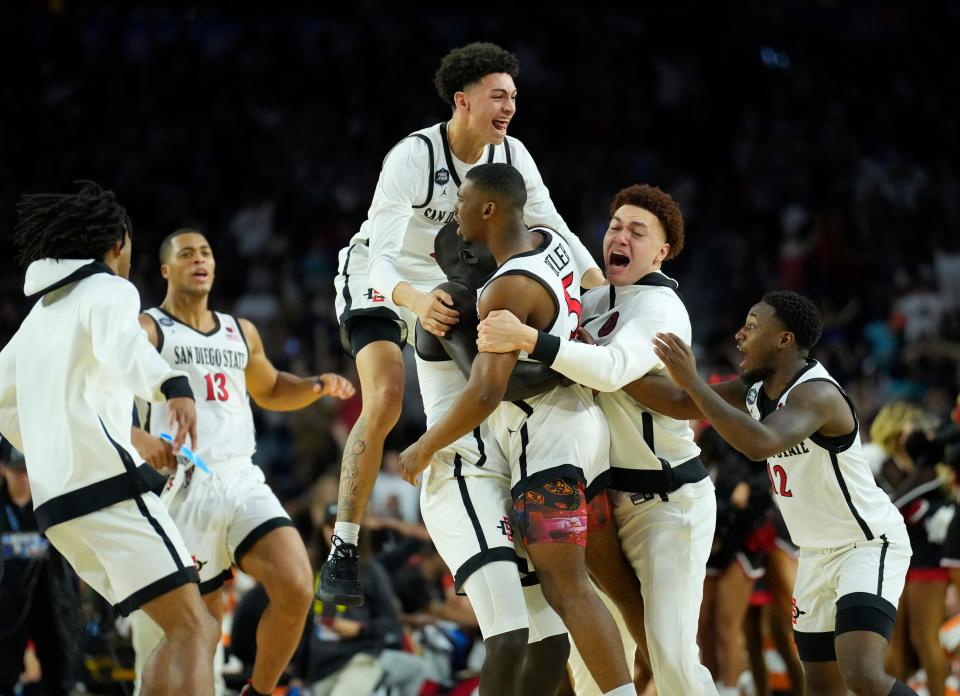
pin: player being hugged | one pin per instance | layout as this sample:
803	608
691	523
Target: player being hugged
556	443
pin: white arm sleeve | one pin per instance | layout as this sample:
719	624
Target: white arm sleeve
9	418
628	357
118	341
540	209
402	185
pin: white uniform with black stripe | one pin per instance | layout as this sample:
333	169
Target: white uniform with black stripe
466	505
854	548
663	499
68	378
221	514
414	198
561	433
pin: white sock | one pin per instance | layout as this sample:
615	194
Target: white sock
349	532
727	690
627	689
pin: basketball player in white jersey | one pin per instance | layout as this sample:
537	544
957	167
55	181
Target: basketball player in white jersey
662	497
854	549
67	383
556	443
231	517
387	276
465	498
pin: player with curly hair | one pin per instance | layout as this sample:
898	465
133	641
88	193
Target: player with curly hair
663	499
387	275
854	548
67	382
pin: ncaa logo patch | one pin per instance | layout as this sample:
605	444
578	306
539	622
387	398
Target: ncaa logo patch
441	177
752	395
165	321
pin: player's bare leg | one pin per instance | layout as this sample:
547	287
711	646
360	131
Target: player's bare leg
860	656
544	668
562	570
183	661
823	678
381	371
279	561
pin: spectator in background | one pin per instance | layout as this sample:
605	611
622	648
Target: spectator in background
38	593
393	497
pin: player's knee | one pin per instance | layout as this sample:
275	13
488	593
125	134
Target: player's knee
193	624
382	409
292	590
503	649
563	589
863	678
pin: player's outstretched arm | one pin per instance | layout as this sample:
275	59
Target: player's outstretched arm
275	390
810	407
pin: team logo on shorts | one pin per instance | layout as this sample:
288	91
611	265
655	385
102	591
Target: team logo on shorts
506	528
752	395
165	321
796	612
373	295
197	562
441	177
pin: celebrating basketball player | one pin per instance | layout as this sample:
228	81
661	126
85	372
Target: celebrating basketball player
854	548
235	519
387	276
67	382
556	443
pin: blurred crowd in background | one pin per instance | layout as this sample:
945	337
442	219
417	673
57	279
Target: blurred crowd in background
812	146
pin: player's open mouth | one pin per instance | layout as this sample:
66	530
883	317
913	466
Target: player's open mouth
200	275
617	260
501	124
743	363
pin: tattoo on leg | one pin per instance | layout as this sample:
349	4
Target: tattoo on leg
350	468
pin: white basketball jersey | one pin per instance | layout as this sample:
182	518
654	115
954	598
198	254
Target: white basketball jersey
823	485
561	432
474	454
640	439
215	363
443	180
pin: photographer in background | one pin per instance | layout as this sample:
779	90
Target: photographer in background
38	591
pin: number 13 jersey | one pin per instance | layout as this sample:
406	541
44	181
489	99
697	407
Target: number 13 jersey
215	363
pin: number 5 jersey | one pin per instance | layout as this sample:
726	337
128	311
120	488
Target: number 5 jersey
215	363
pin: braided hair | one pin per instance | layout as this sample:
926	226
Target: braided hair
80	225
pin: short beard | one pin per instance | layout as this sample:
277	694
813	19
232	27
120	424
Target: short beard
757	375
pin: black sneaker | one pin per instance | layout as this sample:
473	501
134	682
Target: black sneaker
339	576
